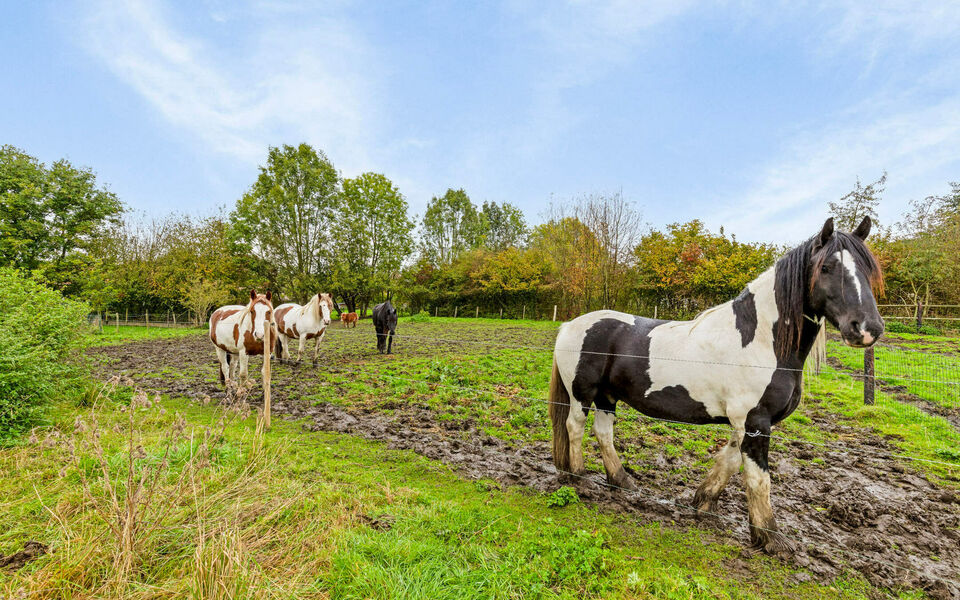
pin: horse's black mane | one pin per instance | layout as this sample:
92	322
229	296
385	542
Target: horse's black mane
797	272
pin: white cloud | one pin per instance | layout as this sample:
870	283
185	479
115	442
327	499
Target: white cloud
290	82
788	199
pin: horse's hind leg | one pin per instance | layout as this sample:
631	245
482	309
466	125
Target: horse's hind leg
725	464
224	366
603	422
576	419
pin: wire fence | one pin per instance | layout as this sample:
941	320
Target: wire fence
936	381
927	376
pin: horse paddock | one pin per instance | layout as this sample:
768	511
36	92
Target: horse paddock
470	394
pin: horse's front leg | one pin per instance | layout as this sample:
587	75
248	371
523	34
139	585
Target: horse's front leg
725	464
755	447
303	342
242	365
316	347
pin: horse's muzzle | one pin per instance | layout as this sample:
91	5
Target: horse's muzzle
862	335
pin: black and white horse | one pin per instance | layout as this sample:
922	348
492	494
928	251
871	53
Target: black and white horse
739	363
385	322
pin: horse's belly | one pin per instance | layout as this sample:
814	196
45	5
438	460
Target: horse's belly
224	333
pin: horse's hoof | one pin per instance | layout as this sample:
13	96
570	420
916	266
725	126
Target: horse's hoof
622	479
771	542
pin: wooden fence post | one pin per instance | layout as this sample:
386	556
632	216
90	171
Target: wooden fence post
148	319
869	380
436	311
477	314
118	322
126	316
501	312
174	319
554	312
524	312
267	338
455	311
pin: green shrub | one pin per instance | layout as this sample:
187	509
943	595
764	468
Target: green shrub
930	330
421	317
898	327
563	496
40	333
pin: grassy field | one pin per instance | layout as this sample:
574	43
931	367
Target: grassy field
288	515
324	515
127	333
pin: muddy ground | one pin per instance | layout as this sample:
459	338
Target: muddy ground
855	510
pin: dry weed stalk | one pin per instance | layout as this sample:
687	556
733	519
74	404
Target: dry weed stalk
136	501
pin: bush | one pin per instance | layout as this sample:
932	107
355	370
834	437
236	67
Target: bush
563	496
40	331
930	330
421	317
898	327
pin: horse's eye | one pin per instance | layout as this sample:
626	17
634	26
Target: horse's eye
825	269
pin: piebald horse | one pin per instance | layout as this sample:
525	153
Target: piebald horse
232	332
740	363
303	323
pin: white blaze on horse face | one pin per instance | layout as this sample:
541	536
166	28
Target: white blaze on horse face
324	312
259	314
850	266
707	357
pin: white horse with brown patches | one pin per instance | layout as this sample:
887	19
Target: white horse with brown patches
238	330
303	323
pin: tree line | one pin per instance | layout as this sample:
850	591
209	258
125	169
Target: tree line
302	227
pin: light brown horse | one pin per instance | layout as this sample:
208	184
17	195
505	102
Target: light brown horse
233	333
347	318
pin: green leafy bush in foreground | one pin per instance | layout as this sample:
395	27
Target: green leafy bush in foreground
40	331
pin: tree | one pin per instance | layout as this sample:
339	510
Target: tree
50	218
860	202
450	226
282	220
503	226
616	226
371	237
687	268
201	295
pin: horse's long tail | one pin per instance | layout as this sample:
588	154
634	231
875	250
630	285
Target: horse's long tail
278	347
559	408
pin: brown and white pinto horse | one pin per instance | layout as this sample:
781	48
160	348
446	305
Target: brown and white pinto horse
303	323
233	333
348	318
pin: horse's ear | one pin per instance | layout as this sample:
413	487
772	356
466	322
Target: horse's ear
825	234
253	293
863	229
269	296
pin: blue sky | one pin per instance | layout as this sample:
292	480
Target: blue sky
747	115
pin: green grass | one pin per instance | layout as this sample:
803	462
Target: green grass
331	516
112	335
912	431
932	377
